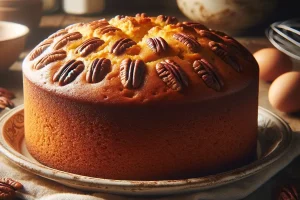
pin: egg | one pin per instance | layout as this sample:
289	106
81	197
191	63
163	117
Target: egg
272	63
284	92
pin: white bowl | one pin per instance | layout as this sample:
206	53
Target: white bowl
12	42
230	16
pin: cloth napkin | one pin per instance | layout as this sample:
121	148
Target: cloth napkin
38	188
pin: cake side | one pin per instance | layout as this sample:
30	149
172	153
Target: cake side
141	143
140	60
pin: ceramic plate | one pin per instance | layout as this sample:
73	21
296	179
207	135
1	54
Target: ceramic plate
274	138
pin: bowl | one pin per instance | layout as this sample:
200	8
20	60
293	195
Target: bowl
230	16
12	42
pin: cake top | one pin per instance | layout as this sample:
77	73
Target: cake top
140	60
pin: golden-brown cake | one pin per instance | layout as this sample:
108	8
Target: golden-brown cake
140	98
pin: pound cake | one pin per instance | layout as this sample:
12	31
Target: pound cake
141	98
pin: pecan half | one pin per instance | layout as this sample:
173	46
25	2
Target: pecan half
120	16
225	55
68	72
89	46
141	15
172	74
240	49
121	45
194	25
167	19
210	35
40	49
12	183
58	33
6	103
132	73
222	34
98	70
65	39
208	74
6	192
230	40
5	93
107	29
98	23
50	58
288	192
188	41
8	188
158	45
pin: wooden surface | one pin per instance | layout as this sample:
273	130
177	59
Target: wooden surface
12	80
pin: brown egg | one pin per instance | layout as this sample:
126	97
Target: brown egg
272	63
284	93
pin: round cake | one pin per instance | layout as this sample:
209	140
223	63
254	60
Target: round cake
141	98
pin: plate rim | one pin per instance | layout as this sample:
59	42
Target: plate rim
128	186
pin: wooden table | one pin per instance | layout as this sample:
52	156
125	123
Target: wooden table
12	80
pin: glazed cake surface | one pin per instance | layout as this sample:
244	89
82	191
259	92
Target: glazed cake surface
140	98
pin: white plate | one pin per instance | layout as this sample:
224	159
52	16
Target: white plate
274	138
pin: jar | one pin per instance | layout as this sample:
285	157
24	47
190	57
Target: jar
83	7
